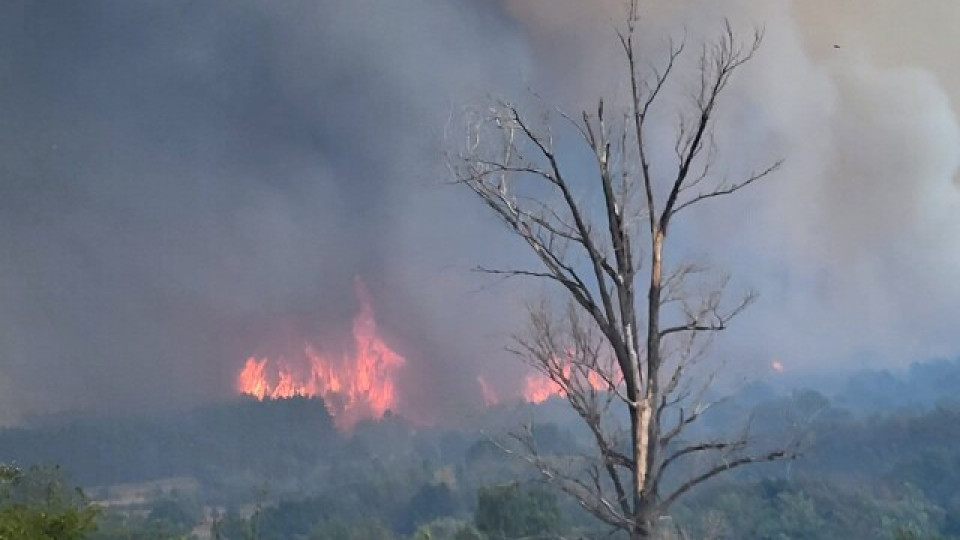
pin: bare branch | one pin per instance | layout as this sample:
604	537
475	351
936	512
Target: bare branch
720	320
776	455
702	447
717	64
614	348
589	495
727	189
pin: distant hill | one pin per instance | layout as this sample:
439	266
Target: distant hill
920	387
268	437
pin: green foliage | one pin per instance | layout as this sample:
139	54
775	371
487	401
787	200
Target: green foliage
36	504
447	529
225	439
337	530
121	526
809	510
305	519
468	533
508	511
883	477
432	501
905	533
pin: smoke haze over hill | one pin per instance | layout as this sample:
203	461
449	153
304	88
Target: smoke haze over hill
186	184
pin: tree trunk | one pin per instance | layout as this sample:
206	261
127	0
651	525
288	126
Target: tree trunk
643	530
607	292
644	422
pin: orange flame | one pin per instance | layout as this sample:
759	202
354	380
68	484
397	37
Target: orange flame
251	379
358	386
538	388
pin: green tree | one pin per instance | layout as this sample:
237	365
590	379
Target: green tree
508	511
36	504
338	530
468	533
446	529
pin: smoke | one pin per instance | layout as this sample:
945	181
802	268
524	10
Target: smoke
854	245
185	184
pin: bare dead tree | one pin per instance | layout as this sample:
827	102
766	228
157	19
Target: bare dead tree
611	346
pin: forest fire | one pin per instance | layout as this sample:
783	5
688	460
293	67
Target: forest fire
538	388
358	385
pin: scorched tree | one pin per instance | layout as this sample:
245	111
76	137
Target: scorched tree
634	332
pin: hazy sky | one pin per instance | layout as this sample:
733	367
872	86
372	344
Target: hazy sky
185	183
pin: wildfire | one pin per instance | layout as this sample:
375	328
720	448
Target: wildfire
538	388
252	379
358	385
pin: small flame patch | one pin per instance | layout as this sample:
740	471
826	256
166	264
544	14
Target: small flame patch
538	388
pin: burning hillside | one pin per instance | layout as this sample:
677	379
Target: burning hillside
361	382
356	385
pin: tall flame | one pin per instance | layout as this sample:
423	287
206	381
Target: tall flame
252	379
357	386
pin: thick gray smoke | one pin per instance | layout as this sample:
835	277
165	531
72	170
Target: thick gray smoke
184	184
855	245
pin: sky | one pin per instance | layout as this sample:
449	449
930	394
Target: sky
184	184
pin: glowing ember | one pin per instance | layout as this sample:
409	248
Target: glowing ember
357	386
